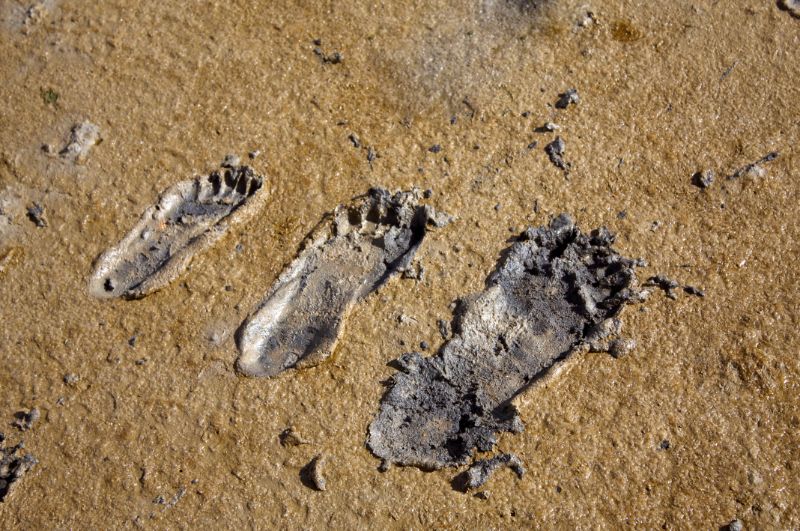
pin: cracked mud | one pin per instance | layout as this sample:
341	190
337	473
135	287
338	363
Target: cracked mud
348	256
553	292
189	217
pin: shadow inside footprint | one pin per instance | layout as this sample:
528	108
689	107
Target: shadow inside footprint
350	254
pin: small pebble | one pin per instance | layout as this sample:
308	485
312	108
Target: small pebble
703	179
71	379
436	148
569	97
254	154
313	473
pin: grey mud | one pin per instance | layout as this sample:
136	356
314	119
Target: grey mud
554	291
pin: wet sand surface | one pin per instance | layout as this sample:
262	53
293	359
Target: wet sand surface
699	425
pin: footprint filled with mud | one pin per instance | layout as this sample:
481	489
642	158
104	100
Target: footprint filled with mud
351	253
188	217
554	290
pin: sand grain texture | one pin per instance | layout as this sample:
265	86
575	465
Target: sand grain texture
666	90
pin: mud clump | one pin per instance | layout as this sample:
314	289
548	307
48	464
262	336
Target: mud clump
189	217
13	466
554	291
35	213
24	420
555	152
567	98
350	254
82	138
311	474
703	179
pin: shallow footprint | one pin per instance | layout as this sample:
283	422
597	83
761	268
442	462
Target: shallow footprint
351	253
189	217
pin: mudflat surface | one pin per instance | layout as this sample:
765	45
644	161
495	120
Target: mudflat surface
697	426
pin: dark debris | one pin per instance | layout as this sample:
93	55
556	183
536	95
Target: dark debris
333	59
703	179
555	150
13	466
754	166
566	98
36	215
664	283
24	420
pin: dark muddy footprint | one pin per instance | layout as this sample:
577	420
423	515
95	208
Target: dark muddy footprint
554	291
350	254
188	218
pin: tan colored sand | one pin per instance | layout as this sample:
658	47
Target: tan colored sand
174	86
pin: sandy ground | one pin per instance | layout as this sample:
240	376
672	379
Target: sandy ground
666	89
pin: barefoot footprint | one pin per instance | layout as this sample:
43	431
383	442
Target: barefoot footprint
188	218
554	291
350	254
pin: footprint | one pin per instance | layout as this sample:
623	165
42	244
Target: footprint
350	254
189	217
553	292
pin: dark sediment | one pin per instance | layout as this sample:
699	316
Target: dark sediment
553	292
